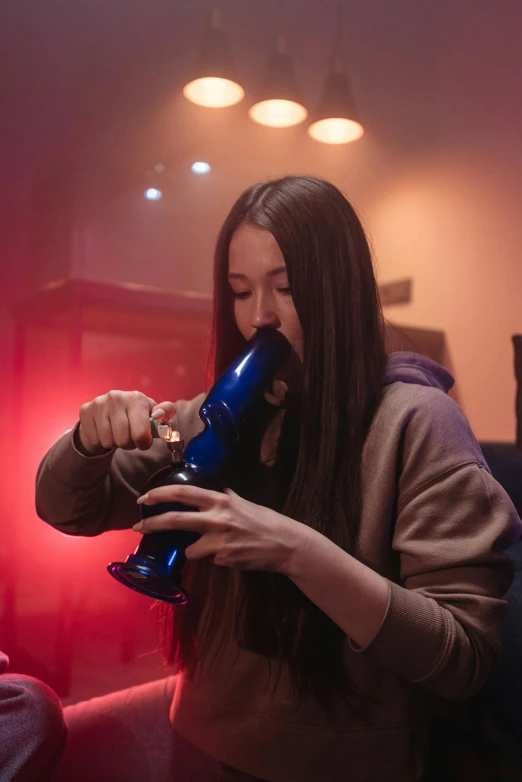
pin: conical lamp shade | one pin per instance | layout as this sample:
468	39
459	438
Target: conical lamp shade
336	120
214	81
279	102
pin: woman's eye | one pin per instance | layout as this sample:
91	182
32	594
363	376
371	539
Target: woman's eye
285	291
240	294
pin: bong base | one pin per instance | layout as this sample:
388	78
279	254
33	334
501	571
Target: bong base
141	576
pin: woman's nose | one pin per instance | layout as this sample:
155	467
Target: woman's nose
265	314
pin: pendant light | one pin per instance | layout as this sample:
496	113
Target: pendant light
279	103
214	83
336	120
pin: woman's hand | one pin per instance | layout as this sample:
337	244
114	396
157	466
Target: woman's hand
235	532
119	419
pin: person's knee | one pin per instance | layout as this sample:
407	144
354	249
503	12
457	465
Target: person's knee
32	729
31	708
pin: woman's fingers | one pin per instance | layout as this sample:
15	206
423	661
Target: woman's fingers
120	419
137	410
164	411
212	534
188	495
189	521
207	546
120	430
100	432
88	432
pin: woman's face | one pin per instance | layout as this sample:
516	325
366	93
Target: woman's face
259	282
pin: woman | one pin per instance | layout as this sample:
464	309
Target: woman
352	574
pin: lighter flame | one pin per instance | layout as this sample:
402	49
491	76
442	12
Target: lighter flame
174	437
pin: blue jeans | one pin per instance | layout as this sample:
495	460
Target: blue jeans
32	728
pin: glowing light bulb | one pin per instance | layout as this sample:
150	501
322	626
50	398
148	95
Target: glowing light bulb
278	113
213	92
200	167
153	194
335	130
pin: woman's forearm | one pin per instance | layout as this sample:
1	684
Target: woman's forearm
350	593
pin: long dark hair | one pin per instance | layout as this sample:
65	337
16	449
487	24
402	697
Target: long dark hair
334	290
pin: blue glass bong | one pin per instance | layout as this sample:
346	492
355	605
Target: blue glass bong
155	568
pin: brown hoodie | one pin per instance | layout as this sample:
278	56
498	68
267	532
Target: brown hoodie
434	523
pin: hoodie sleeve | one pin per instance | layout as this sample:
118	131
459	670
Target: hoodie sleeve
443	620
87	495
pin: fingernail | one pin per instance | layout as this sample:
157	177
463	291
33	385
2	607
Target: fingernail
157	414
137	527
143	499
